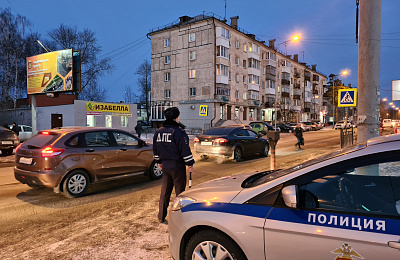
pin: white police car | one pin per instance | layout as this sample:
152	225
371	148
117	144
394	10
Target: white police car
342	206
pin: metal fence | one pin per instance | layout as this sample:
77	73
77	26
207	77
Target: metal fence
348	137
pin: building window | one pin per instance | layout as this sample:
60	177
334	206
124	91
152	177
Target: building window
270	56
225	33
90	120
192	92
124	121
167	93
192	55
254	79
237	44
263	70
244	63
253	63
244	80
167	59
222	70
263	84
192	37
192	74
262	55
167	76
237	60
108	120
237	78
244	95
167	42
237	94
222	52
244	47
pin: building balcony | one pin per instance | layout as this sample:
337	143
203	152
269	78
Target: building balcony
296	97
297	91
296	75
285	82
270	77
296	86
315	78
270	63
307	78
285	94
315	91
296	108
270	91
315	101
285	69
271	70
222	79
307	88
253	87
253	55
254	71
307	100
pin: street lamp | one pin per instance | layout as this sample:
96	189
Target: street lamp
343	73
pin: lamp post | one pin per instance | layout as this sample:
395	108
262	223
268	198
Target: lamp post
343	73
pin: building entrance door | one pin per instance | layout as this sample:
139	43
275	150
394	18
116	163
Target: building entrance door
56	120
228	113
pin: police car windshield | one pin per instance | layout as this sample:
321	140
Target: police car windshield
218	131
269	176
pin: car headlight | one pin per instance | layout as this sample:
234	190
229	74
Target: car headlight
181	202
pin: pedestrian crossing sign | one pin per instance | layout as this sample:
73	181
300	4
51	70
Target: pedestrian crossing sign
347	97
203	110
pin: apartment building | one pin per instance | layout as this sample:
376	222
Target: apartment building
203	60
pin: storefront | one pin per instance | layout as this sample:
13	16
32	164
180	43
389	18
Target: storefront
88	113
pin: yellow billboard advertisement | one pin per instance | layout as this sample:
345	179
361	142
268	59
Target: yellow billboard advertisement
49	72
107	107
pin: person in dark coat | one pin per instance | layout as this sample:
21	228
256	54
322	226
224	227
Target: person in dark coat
15	128
172	152
298	132
139	129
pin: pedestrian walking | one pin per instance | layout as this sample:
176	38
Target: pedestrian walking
298	132
15	128
172	152
138	128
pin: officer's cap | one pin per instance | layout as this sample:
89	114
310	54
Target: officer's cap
171	113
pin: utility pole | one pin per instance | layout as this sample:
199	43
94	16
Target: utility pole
369	69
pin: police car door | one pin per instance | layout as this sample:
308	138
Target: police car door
339	212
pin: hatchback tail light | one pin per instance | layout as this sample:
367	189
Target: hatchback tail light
220	140
50	151
196	140
16	148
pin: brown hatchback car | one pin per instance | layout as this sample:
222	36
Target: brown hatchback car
69	159
8	141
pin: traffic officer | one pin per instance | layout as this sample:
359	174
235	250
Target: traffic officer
172	152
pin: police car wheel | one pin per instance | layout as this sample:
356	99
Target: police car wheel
211	244
155	172
237	154
75	184
265	150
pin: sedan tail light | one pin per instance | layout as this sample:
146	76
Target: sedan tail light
50	151
196	140
220	140
16	148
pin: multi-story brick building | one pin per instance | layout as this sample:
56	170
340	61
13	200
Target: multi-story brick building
204	61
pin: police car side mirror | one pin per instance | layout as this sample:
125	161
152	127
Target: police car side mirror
289	194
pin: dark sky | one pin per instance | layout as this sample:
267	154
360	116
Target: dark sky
327	28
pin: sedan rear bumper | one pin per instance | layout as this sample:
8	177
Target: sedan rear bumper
222	151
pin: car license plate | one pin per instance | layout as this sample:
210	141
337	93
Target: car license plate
25	160
7	142
206	143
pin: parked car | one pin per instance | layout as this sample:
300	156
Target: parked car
25	132
318	124
262	127
342	124
311	126
285	128
230	141
8	141
387	123
72	158
334	207
395	123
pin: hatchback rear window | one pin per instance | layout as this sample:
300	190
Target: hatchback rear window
39	141
218	131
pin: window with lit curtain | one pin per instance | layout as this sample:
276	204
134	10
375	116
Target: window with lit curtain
192	74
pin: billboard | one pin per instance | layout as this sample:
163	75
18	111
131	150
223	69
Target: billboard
50	72
395	90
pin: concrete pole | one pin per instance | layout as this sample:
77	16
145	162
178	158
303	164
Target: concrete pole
369	69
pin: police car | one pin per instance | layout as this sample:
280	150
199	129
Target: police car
345	205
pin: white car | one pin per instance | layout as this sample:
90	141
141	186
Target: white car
25	132
342	124
345	205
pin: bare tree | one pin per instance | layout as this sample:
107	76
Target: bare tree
15	45
93	68
144	82
130	96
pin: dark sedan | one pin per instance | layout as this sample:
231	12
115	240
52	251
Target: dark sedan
285	128
230	141
8	141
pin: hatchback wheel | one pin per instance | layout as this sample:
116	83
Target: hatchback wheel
211	244
155	172
265	150
75	184
237	154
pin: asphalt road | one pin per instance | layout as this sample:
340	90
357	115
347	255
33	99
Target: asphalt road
116	220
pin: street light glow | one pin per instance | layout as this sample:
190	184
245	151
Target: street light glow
391	103
385	99
296	37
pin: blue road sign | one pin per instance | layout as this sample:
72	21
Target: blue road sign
347	98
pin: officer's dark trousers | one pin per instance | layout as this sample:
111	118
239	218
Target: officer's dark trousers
170	178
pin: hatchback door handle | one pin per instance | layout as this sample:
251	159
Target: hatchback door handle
90	150
122	149
394	244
